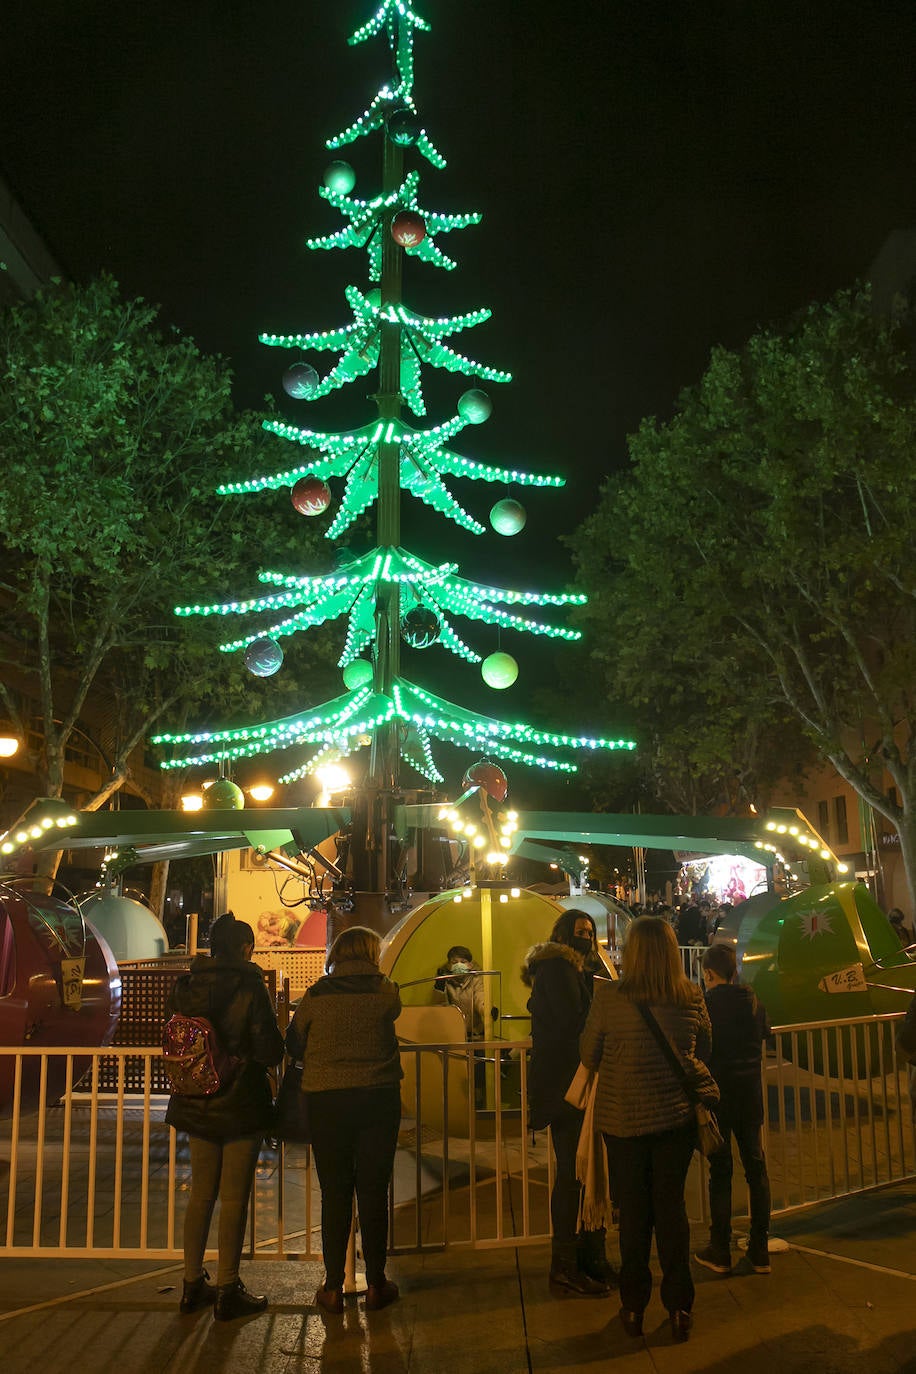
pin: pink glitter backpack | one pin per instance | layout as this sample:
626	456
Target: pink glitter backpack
195	1063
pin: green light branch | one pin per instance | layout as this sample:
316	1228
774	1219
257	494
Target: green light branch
355	590
340	722
359	345
368	220
354	455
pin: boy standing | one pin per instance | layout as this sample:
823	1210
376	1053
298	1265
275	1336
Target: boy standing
739	1027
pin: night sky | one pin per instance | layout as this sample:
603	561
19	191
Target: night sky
656	179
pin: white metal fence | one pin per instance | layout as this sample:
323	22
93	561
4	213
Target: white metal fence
98	1173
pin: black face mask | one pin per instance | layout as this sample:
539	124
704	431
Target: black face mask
581	944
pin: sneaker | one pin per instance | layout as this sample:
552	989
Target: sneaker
719	1261
759	1259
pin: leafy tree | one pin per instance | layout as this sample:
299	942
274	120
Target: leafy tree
113	437
759	556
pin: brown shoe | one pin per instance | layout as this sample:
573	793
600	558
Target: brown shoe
330	1300
382	1294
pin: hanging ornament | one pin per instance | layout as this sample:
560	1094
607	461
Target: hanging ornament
339	177
489	776
508	516
403	127
408	228
223	795
300	381
474	406
311	496
263	657
357	674
499	671
420	627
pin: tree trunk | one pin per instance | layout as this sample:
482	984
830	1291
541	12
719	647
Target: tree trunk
159	886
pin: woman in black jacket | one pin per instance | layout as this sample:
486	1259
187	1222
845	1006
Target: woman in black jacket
559	973
226	1129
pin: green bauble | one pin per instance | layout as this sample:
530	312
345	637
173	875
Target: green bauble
339	177
357	674
499	671
223	795
474	406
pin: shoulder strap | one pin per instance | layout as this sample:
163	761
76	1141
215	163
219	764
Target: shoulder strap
666	1047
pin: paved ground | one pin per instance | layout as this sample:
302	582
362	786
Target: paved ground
842	1298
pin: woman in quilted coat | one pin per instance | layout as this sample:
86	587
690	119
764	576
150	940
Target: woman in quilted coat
645	1115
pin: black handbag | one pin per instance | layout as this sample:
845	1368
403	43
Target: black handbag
291	1109
709	1137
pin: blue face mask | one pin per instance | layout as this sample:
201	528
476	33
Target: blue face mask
461	968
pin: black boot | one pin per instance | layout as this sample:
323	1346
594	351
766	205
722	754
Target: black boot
197	1294
566	1275
233	1300
593	1260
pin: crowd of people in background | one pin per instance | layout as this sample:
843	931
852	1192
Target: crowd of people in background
653	1048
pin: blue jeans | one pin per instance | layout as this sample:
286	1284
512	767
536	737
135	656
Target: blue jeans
647	1177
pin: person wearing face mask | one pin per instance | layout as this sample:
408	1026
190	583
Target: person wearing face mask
560	973
460	979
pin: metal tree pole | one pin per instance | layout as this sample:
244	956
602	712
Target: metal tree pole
373	818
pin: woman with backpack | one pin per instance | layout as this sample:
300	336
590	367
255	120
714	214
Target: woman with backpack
226	1126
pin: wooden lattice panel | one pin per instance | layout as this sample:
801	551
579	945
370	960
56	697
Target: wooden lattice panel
300	966
145	988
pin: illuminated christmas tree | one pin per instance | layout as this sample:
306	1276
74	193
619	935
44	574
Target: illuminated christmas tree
389	593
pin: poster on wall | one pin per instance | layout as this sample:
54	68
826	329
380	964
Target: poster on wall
291	927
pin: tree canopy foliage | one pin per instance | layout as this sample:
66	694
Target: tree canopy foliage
113	437
756	563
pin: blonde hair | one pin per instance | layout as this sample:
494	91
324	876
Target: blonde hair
357	942
652	970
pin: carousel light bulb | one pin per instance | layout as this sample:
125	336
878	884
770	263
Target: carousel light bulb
503	897
515	891
468	892
842	868
479	841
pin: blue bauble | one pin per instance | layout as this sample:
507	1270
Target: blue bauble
263	657
420	627
403	127
300	381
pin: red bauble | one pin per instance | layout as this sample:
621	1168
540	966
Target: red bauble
408	228
488	776
311	496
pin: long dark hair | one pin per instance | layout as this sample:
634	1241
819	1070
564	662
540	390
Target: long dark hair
564	927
